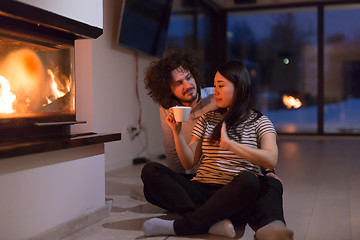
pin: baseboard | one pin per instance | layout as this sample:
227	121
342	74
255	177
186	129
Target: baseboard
72	226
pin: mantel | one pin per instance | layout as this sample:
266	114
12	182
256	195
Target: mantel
16	148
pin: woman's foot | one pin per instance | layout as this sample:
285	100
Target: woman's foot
157	226
223	228
276	230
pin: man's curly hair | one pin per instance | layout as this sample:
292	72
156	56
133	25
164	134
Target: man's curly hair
158	75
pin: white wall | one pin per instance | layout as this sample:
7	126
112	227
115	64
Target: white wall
42	191
114	102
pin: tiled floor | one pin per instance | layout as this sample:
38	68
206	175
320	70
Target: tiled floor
321	195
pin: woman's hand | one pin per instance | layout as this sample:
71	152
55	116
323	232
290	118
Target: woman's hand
170	120
224	138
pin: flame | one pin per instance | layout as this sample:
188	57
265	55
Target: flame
57	91
32	88
290	102
6	96
24	70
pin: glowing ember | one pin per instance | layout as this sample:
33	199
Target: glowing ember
290	102
6	96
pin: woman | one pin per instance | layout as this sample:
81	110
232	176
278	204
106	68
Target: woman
230	144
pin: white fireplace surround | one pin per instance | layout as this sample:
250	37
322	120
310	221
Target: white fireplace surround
39	192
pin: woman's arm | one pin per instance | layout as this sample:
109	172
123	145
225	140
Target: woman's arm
266	156
189	155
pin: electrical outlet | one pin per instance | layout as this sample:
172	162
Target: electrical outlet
132	131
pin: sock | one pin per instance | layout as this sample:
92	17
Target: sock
275	230
223	228
157	226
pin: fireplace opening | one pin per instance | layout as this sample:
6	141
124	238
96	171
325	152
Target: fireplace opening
35	81
37	84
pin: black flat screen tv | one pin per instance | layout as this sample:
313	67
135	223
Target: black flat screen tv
144	24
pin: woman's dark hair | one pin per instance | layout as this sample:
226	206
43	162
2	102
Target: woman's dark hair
158	75
243	105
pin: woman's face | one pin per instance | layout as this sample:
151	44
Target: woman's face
223	91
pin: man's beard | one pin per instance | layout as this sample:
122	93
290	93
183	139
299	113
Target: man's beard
193	98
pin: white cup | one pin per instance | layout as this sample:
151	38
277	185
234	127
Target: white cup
109	203
181	113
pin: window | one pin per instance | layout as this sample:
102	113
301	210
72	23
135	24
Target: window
192	27
304	58
181	27
342	69
280	51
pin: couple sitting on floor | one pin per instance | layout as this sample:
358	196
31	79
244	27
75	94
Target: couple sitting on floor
212	177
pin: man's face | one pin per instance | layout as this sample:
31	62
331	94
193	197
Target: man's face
184	86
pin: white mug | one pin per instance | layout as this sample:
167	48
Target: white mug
181	113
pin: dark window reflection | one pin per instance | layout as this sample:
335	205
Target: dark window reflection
204	45
342	70
280	51
181	31
190	28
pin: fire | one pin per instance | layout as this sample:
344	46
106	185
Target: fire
26	87
58	89
290	102
24	71
6	96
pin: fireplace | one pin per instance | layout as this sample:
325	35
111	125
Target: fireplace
37	75
37	84
37	80
52	182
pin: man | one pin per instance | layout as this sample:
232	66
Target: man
173	80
